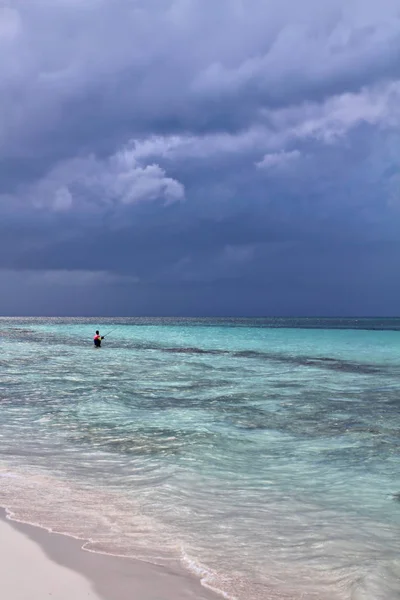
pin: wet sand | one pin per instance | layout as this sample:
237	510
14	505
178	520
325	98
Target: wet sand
36	564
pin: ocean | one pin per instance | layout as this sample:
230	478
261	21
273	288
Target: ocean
262	455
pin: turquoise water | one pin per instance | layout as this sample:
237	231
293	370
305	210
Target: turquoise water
261	455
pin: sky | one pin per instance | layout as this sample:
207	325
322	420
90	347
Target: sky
200	157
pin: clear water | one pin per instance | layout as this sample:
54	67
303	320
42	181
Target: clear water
262	455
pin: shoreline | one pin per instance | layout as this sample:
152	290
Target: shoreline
65	564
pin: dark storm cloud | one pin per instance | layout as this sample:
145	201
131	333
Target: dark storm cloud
152	149
163	65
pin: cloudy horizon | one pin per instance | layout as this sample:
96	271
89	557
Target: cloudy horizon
187	157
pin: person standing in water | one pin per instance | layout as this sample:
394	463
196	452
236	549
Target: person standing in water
97	340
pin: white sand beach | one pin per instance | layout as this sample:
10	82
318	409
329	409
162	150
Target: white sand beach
26	573
36	564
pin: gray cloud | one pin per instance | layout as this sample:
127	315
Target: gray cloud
159	62
84	184
277	124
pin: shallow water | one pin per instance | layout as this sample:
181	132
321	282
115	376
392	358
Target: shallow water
263	455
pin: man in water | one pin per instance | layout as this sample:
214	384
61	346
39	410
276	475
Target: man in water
97	340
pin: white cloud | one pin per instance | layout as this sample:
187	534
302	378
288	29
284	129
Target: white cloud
325	122
87	183
130	182
278	159
333	119
133	174
181	147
